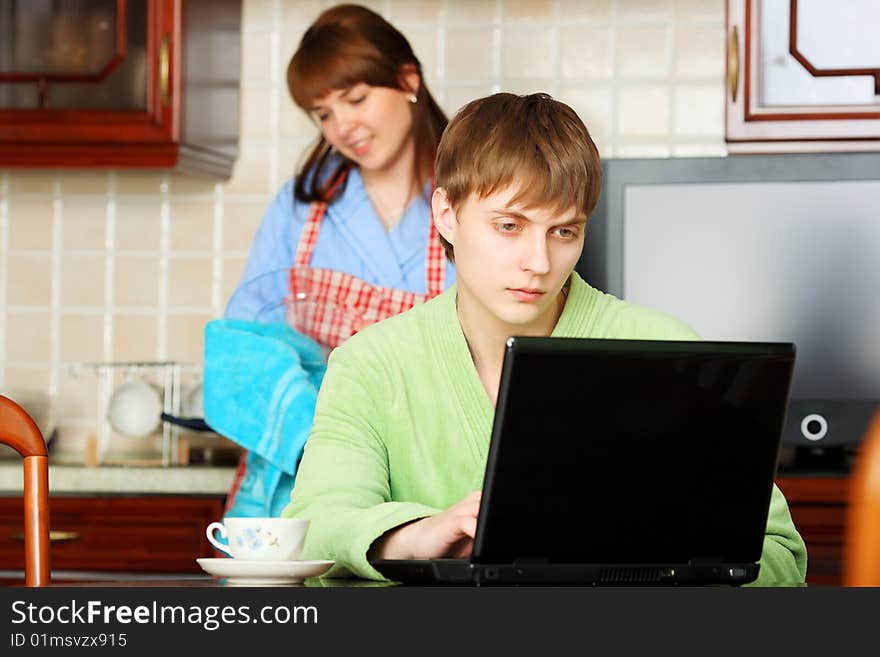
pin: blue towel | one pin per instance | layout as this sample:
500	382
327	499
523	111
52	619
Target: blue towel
260	387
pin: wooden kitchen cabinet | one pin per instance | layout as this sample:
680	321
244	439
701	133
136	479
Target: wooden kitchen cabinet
818	508
120	83
802	75
148	534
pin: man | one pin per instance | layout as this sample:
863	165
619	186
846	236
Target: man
395	461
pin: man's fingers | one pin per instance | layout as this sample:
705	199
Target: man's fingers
463	549
469	526
471	504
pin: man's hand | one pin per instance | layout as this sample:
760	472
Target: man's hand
447	534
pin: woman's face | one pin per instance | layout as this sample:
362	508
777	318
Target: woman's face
372	126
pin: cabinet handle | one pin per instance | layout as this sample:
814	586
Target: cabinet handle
165	70
55	536
733	63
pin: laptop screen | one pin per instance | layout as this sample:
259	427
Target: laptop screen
628	451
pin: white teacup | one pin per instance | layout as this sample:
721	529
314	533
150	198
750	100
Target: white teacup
260	539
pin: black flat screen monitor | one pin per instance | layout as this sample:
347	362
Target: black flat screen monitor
758	248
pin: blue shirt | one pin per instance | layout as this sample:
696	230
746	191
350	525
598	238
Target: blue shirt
352	239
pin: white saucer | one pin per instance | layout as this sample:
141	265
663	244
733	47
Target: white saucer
238	572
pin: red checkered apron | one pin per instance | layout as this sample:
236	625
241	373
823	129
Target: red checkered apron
330	306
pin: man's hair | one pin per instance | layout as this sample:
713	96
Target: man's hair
535	142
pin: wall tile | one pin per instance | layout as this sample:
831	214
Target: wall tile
135	337
377	6
140	181
30	280
233	269
458	97
82	280
643	51
409	11
424	44
77	395
700	10
585	52
185	183
526	53
189	282
71	442
256	56
292	154
471	58
251	172
82	337
700	50
30	224
27	337
642	150
84	223
29	378
256	114
294	122
257	12
32	181
75	181
540	10
643	110
137	225
699	110
528	85
713	149
592	10
594	106
469	11
240	222
192	224
644	10
186	337
136	282
300	12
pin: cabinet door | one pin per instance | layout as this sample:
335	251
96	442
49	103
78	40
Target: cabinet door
87	72
803	75
116	533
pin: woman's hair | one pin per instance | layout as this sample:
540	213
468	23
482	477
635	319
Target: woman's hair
347	45
535	143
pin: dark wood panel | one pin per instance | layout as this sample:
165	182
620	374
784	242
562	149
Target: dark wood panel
137	534
818	509
193	127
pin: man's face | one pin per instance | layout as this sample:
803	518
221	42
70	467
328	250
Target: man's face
511	262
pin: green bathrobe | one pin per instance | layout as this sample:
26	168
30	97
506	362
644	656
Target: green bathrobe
403	423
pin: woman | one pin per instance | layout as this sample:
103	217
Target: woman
350	239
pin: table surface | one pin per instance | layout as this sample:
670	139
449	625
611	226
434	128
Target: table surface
184	580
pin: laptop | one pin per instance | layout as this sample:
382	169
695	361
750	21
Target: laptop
625	462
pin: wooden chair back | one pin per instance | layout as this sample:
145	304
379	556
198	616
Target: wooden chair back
20	432
862	551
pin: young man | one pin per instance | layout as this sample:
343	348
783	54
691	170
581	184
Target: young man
395	461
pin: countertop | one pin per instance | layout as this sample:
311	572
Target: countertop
186	480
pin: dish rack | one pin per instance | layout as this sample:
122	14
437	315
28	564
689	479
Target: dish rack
166	374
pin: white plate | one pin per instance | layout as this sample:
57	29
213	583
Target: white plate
238	572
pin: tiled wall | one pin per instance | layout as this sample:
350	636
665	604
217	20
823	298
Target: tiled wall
128	265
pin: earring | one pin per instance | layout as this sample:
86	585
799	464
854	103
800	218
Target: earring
413	99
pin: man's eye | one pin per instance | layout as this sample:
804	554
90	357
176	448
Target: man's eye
322	117
506	227
566	233
358	100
